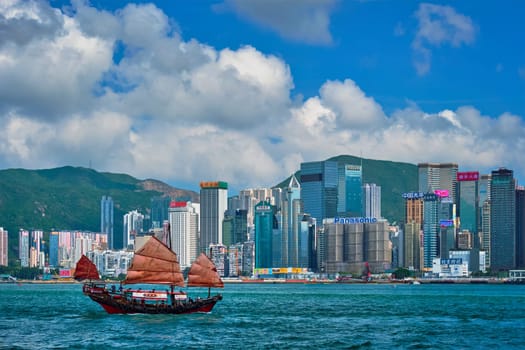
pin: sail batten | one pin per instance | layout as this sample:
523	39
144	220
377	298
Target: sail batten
155	263
203	273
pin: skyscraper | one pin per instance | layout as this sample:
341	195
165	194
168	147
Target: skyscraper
520	227
184	235
213	204
53	248
468	194
350	196
3	247
502	220
106	222
132	225
159	210
434	177
265	225
484	215
371	201
290	210
23	247
319	189
413	247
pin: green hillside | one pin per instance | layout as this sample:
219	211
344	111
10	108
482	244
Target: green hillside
393	177
68	198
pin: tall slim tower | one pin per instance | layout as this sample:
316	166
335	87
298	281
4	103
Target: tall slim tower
503	220
3	247
23	247
184	235
106	222
319	189
520	227
413	247
350	179
371	201
53	248
290	209
213	203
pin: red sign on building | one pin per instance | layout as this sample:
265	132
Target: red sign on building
468	176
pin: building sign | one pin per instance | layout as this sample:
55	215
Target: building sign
468	176
413	195
430	197
441	193
263	208
366	220
214	184
446	223
454	261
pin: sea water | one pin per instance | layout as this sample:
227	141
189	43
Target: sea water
275	316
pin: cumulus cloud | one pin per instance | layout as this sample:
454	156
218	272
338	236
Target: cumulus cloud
305	21
159	106
439	25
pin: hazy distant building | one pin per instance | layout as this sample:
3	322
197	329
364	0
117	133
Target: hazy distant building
213	204
132	225
502	220
53	248
106	223
184	238
159	210
3	247
319	189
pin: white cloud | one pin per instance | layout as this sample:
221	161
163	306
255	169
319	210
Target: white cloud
182	111
305	21
438	25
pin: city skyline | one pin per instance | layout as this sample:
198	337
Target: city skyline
245	91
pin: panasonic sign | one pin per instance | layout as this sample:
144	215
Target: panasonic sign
366	220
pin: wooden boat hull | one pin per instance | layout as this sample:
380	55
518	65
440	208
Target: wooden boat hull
117	304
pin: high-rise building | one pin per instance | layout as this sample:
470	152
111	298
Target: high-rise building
447	226
53	248
23	247
183	221
106	222
265	225
413	245
484	216
240	226
35	250
371	201
159	210
434	177
291	208
502	220
307	246
213	204
520	227
349	196
3	247
438	176
469	211
132	226
319	189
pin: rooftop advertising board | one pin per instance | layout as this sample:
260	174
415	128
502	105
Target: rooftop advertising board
467	176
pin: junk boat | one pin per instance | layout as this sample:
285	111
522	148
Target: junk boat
153	264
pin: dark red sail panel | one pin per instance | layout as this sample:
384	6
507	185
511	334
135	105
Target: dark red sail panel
155	263
203	273
85	270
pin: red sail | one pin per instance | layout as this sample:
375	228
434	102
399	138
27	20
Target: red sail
85	270
203	273
155	263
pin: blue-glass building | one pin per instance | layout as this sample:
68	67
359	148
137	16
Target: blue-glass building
265	224
502	220
53	249
319	189
106	223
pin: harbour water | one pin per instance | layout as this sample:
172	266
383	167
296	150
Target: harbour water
275	316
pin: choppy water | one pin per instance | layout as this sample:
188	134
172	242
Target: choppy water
275	316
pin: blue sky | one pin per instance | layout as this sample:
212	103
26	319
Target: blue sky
244	91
